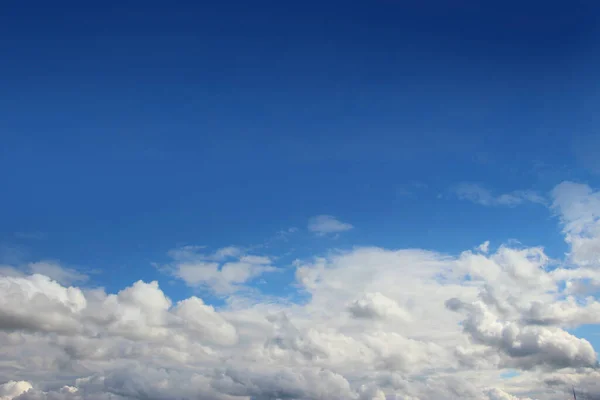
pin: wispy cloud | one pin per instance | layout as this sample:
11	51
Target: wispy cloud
480	195
326	224
578	207
65	276
51	269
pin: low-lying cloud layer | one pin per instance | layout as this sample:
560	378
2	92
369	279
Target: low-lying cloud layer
378	324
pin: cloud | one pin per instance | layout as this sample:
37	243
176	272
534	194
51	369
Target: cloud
498	394
12	389
526	346
480	195
50	269
484	247
37	303
578	208
9	270
379	323
327	224
60	274
375	306
375	323
224	271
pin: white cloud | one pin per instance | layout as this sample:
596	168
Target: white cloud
376	324
55	271
12	389
37	303
484	247
498	394
224	271
327	224
227	252
50	269
376	305
379	323
480	195
578	207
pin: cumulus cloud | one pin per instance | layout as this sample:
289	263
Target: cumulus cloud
481	195
37	303
12	389
374	324
376	305
376	321
498	394
525	346
224	271
326	224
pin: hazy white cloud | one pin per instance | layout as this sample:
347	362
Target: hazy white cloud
55	271
578	208
484	247
481	195
9	270
376	324
224	271
50	269
327	224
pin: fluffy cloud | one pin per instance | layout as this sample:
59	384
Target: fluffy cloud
12	389
371	328
375	324
498	394
327	224
37	303
223	271
376	305
480	195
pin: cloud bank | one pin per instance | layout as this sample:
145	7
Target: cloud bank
378	323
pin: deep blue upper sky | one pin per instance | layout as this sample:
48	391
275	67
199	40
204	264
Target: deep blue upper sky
129	128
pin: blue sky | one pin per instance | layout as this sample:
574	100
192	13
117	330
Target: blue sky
223	124
133	129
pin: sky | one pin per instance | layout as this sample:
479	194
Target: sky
368	200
